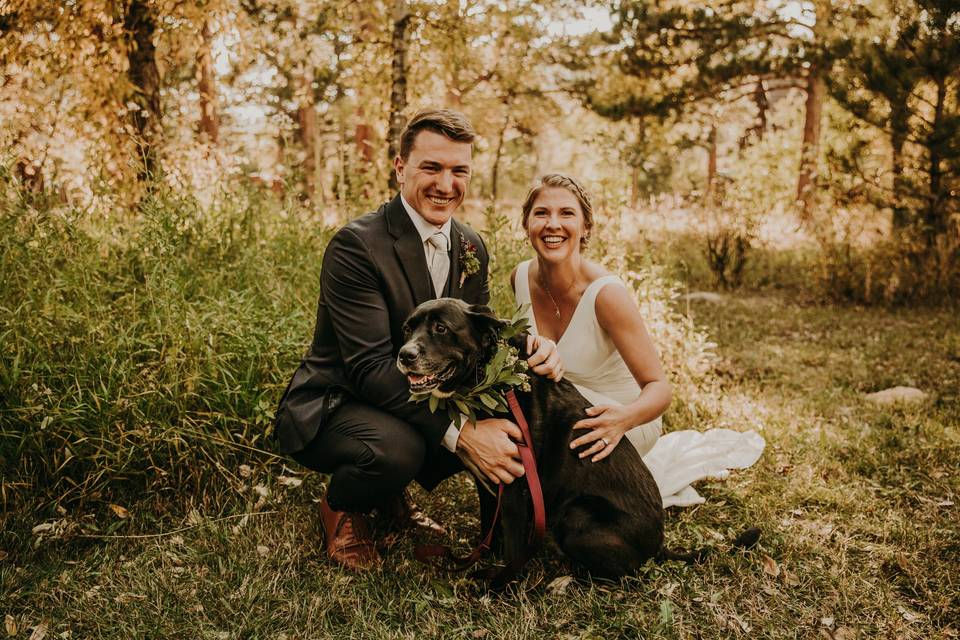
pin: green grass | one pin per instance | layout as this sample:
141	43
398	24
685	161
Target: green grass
852	499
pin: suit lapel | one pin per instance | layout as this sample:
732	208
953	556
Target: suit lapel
409	250
456	290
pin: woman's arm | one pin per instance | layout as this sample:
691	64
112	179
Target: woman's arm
619	316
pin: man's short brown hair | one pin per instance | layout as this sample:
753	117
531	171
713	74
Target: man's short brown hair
446	122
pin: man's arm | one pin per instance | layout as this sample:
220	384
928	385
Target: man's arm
357	308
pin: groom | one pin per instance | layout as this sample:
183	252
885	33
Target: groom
346	410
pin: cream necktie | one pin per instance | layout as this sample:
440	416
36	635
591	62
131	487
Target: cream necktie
439	261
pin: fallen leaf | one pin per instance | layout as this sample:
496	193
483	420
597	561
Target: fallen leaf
770	566
559	584
10	625
790	578
827	622
39	632
480	633
908	615
945	503
42	528
263	550
845	633
119	511
245	471
261	491
289	481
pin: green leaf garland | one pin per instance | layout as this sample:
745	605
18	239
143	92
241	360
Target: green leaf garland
504	371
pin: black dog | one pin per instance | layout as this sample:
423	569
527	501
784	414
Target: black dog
607	516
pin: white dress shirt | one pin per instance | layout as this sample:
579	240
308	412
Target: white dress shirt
426	230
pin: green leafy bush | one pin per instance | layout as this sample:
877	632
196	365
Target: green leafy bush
145	348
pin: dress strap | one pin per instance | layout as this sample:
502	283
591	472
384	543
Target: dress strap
589	297
521	282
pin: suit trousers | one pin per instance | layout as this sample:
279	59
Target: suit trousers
371	457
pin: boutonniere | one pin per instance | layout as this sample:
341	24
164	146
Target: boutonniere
469	262
502	372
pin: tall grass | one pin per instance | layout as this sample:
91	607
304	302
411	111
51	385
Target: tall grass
143	349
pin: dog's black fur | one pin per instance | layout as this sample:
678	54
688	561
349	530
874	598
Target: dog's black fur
606	516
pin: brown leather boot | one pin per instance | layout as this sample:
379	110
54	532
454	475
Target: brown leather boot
349	542
401	512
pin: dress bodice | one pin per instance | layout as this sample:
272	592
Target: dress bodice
590	358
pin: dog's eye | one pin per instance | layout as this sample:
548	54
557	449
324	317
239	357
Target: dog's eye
406	330
439	328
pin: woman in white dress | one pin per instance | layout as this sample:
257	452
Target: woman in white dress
607	351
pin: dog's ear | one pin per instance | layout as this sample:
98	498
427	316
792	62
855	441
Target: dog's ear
486	323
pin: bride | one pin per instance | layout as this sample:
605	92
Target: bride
607	352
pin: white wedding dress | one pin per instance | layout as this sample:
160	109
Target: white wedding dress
593	364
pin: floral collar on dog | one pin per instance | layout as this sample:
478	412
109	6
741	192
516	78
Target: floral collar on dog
502	372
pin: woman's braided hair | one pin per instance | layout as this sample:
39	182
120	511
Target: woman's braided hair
571	185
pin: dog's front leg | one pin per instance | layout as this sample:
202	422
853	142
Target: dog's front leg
515	521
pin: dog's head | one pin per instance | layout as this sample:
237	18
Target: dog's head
446	340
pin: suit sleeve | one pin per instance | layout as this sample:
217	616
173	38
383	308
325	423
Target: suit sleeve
351	289
484	273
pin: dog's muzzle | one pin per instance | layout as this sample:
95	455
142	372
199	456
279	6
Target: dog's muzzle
422	376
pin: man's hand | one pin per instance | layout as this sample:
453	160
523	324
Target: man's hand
545	357
489	446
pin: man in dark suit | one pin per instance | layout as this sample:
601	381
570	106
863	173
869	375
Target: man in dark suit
346	410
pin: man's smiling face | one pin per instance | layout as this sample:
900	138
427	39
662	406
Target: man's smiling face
435	176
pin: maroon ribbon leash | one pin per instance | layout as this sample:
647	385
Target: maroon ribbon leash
432	553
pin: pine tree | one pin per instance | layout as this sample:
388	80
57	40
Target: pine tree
907	84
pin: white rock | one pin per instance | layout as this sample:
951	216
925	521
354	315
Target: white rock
706	296
907	395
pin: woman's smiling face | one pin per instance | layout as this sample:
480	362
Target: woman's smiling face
556	224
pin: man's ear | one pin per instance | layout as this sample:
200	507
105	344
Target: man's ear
486	323
398	169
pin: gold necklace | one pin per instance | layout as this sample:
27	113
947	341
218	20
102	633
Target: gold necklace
556	307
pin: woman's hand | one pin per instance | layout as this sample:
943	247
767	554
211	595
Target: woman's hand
607	424
545	357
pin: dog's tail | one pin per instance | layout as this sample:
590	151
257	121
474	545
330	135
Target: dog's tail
746	540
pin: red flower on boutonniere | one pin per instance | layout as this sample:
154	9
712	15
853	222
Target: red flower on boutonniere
469	262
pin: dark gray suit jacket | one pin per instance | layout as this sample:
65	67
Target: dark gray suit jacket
373	275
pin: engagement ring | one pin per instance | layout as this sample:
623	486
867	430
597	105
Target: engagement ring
606	442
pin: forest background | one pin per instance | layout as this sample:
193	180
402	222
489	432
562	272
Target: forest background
170	172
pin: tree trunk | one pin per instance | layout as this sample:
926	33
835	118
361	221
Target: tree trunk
637	163
495	173
936	223
810	148
398	91
307	135
763	105
139	27
899	115
711	164
209	115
